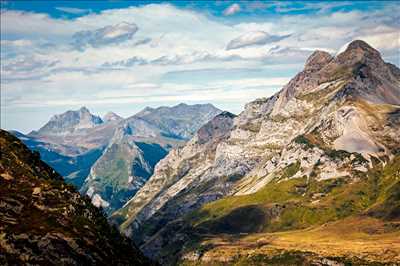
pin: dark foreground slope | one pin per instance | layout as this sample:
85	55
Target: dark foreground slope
44	221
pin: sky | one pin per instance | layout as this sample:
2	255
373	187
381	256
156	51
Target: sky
122	56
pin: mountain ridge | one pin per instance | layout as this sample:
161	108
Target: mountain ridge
333	121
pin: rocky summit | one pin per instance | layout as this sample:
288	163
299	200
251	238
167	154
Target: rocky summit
44	221
321	157
69	122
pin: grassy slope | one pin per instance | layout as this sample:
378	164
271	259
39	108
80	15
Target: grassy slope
353	241
330	218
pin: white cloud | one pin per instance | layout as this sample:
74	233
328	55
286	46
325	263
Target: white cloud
254	38
111	34
232	9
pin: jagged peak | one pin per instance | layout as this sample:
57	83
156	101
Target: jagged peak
69	121
360	44
317	60
84	109
359	50
111	116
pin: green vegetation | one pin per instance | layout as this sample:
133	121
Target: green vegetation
290	170
320	212
114	169
302	139
272	193
387	205
298	203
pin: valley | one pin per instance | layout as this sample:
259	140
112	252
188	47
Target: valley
111	158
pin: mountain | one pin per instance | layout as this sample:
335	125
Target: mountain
70	122
138	144
109	159
320	156
44	221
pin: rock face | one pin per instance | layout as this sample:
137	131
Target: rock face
333	121
44	221
112	159
184	170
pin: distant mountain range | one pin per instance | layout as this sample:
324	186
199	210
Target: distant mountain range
110	158
323	149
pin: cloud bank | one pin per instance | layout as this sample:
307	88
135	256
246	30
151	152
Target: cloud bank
103	60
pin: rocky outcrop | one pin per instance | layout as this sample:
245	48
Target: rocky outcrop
44	221
332	120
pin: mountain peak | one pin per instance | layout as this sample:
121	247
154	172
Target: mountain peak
83	109
317	60
359	51
70	121
111	116
359	44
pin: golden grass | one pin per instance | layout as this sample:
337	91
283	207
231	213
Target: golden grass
366	238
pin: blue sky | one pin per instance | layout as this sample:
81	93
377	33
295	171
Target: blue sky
124	55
